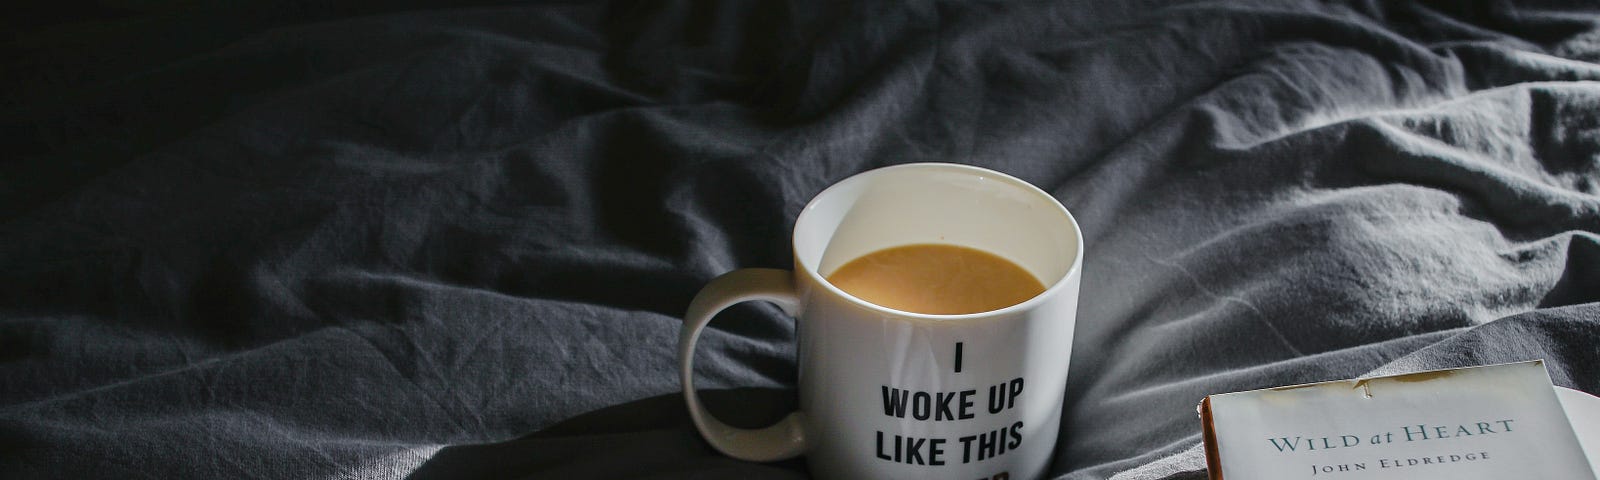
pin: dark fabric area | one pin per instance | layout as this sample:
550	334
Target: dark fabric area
402	240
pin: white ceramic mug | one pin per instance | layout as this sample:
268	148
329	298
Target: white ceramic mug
892	394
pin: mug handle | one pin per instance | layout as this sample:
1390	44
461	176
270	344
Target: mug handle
782	440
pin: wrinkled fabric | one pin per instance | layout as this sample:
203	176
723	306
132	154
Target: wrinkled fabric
269	241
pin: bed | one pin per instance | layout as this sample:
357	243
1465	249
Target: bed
411	240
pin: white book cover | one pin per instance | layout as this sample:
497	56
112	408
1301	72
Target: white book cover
1492	422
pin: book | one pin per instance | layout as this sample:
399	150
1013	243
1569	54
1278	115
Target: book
1490	422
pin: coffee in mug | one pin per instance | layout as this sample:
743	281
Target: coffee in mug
936	279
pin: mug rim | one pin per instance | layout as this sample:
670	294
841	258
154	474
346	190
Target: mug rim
1055	287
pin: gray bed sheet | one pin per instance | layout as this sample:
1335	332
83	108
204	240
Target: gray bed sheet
456	242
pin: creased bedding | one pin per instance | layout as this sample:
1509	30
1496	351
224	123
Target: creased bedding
410	241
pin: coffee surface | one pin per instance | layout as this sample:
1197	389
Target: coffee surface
936	279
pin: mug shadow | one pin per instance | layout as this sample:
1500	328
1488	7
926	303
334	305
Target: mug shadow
647	438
